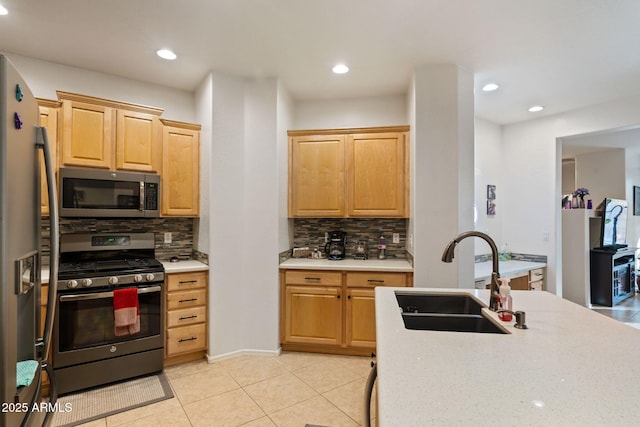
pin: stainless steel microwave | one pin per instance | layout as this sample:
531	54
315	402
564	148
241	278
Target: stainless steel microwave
113	194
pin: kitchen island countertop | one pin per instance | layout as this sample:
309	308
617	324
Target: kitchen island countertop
390	265
573	366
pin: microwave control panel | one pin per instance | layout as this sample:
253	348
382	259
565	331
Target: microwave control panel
151	196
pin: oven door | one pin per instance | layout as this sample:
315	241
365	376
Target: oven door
84	327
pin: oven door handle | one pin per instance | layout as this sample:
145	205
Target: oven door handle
100	295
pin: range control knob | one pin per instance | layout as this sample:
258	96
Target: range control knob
137	278
72	284
86	282
150	277
113	280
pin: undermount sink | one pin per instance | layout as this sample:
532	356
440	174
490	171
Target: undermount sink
439	303
445	312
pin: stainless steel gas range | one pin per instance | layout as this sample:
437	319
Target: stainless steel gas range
89	348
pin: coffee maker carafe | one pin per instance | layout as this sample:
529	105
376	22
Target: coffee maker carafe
335	247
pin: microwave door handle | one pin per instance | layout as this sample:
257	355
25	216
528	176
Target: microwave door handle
141	196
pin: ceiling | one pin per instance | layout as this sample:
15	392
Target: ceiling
563	54
626	139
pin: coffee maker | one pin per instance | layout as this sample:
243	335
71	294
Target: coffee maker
335	247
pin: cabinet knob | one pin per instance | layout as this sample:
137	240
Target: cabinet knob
338	296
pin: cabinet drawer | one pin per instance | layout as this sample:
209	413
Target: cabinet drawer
536	286
536	275
372	279
186	339
313	277
186	299
182	281
187	316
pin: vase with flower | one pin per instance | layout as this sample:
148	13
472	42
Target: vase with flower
580	193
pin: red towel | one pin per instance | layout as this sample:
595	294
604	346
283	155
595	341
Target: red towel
126	311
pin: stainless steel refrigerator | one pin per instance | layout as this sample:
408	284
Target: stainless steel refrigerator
23	349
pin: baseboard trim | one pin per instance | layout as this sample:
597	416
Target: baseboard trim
246	352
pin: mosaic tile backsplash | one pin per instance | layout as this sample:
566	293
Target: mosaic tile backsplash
309	232
181	230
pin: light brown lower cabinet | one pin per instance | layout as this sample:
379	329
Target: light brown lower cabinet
185	317
332	311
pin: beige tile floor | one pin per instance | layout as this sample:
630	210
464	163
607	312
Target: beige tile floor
292	389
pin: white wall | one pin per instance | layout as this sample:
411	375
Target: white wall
568	176
348	113
244	186
204	116
532	158
261	307
603	173
632	162
442	187
44	78
488	170
285	122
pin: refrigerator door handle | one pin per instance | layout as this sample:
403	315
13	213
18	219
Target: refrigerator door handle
42	141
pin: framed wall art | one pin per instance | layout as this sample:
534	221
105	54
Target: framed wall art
491	192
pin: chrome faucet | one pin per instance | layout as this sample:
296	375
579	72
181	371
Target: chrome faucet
447	256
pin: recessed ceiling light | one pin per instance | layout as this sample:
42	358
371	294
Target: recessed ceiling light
536	108
3	10
489	87
166	54
340	69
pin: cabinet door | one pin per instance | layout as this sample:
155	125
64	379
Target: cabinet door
316	176
87	137
520	283
377	175
361	318
180	171
313	315
138	141
48	119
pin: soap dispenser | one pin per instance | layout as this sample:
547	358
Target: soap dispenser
506	302
382	247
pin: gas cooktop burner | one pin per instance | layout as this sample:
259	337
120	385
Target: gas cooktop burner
99	260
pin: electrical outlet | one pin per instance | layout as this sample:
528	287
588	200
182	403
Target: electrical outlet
396	237
545	236
326	237
410	241
167	237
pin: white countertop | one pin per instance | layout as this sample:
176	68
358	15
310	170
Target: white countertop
391	265
184	266
572	366
507	268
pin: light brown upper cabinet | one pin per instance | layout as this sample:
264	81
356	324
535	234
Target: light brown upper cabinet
377	175
138	137
180	169
316	176
106	134
360	172
49	119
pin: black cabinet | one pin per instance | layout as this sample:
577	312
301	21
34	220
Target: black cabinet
612	276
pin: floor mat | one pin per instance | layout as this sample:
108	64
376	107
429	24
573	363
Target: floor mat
101	402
